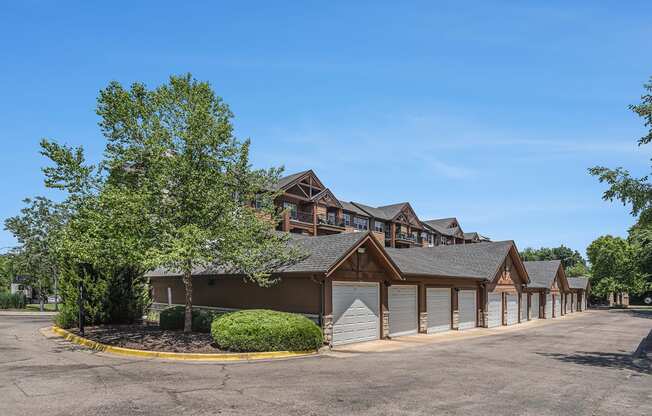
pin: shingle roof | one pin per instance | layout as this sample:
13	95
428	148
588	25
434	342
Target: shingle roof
578	282
542	273
322	253
479	260
347	206
441	225
372	211
284	181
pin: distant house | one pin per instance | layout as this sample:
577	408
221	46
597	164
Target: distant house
21	284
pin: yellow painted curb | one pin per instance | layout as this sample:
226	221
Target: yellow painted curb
129	352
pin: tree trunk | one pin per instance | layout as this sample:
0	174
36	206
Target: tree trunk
187	281
56	291
40	297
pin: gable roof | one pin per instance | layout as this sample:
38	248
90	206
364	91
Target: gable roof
442	226
578	282
286	180
323	255
372	211
326	192
347	206
385	212
542	273
476	261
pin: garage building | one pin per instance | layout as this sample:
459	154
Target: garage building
547	284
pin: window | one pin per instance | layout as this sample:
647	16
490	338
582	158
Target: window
379	226
361	223
347	219
258	202
291	207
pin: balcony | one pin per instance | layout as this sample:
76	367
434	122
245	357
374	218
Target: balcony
406	237
301	216
330	220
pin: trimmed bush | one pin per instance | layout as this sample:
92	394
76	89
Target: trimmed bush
173	319
12	301
264	330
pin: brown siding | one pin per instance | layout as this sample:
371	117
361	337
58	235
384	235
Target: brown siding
291	294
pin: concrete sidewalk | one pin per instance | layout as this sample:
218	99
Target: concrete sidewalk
26	313
410	341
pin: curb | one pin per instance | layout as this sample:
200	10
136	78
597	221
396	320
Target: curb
180	356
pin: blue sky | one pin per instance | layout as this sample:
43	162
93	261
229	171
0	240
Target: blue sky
491	112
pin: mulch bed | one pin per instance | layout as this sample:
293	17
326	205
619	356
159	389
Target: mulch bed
150	338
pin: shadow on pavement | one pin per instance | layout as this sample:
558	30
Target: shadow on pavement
639	361
638	313
604	360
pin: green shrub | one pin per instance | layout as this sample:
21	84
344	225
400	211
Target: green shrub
67	318
173	319
265	330
12	301
202	320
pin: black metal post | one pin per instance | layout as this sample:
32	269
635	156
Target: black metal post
81	309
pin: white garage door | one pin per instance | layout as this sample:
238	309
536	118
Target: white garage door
467	308
548	306
534	305
524	316
356	314
438	306
494	310
403	313
512	309
557	306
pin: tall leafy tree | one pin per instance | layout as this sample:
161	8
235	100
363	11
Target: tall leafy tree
570	258
37	229
6	272
174	146
637	192
613	266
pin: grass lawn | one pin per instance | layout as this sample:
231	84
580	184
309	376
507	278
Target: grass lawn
48	307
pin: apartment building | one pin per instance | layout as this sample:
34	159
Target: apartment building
310	208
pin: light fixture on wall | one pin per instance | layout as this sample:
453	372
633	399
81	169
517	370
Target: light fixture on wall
361	250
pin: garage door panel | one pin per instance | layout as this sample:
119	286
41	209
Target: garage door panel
438	306
403	310
467	308
355	312
548	306
494	310
512	309
524	316
534	306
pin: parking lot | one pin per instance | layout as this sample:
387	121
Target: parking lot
591	363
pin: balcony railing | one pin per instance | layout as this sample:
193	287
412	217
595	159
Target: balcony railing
406	237
301	216
330	220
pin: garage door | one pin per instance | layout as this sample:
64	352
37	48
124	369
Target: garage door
355	312
534	305
494	310
467	308
438	306
512	309
524	316
548	307
557	303
403	313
